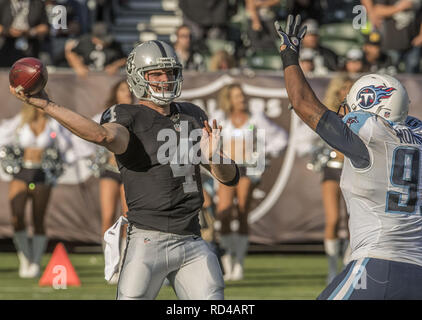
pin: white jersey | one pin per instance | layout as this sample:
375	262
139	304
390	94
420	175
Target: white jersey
384	200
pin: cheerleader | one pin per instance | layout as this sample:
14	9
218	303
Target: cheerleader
232	220
34	147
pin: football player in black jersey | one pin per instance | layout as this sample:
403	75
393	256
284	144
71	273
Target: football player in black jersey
159	145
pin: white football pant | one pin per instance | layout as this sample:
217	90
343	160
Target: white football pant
187	261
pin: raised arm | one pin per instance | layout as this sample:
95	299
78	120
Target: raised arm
307	106
112	136
373	17
74	60
114	67
301	96
39	30
386	11
253	13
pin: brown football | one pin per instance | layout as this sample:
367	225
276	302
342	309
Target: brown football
29	75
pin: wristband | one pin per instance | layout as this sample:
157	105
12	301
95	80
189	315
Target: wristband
289	58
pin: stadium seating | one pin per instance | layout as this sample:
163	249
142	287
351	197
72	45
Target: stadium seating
338	11
215	45
340	37
140	20
159	17
265	60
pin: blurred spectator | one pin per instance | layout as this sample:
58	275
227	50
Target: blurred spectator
401	34
38	137
96	51
308	9
221	60
102	11
206	19
354	61
337	90
24	24
374	19
374	59
306	61
188	56
59	36
261	15
312	63
147	34
324	57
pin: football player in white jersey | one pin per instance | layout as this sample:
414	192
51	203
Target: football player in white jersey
380	179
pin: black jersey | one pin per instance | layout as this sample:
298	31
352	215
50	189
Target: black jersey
165	197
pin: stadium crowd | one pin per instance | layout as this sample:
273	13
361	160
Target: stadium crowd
216	35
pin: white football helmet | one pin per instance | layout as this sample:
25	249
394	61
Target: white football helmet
153	55
380	94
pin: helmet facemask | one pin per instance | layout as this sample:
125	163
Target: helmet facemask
159	92
162	92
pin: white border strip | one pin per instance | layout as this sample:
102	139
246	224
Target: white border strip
207	89
265	92
225	80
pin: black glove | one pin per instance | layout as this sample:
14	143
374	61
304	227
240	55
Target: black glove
290	40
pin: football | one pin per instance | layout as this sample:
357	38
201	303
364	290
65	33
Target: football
29	75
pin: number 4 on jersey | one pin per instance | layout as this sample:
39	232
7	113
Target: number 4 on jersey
187	171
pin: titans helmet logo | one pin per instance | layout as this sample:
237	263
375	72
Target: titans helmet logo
370	96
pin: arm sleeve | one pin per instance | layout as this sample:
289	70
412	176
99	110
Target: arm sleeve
342	138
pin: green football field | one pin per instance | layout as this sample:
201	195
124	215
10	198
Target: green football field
267	276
